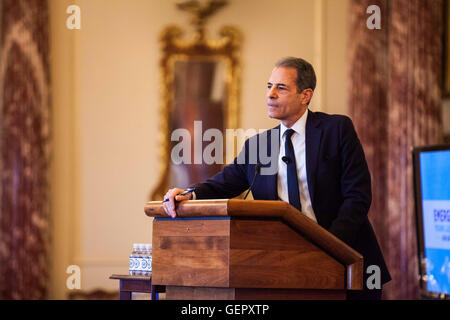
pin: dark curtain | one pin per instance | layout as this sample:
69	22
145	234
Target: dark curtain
24	144
395	102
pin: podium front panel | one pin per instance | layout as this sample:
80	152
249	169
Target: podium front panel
191	251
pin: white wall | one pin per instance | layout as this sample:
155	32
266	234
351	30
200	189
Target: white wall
105	111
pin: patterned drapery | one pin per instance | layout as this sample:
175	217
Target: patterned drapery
24	144
395	102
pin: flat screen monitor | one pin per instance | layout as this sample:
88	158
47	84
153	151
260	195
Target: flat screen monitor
431	166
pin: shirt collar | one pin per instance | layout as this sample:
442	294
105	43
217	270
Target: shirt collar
299	126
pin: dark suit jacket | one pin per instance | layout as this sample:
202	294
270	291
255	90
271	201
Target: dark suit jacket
338	181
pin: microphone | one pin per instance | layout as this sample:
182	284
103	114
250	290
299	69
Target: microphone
286	159
257	169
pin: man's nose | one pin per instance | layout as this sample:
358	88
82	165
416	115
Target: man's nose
272	93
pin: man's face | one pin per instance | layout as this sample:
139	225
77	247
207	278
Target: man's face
283	101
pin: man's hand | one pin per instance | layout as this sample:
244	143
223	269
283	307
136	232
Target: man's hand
173	195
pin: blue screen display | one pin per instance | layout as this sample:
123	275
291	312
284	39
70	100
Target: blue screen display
435	185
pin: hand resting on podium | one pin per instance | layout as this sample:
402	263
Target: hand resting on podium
173	195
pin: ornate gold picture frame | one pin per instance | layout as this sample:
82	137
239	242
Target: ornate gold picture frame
200	81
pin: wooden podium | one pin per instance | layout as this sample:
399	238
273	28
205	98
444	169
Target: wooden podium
248	249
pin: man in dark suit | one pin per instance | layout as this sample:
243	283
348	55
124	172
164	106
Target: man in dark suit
320	168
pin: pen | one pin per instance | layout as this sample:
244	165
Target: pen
189	190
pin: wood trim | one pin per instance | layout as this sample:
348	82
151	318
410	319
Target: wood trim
199	293
206	293
289	294
191	208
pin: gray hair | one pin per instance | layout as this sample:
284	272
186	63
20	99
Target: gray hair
306	77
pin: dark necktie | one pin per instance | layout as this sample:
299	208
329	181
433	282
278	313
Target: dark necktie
292	179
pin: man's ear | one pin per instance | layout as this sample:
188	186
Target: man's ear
307	95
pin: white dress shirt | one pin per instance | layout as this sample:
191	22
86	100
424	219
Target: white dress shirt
298	141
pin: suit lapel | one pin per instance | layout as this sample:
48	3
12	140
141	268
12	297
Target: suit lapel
270	181
313	137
